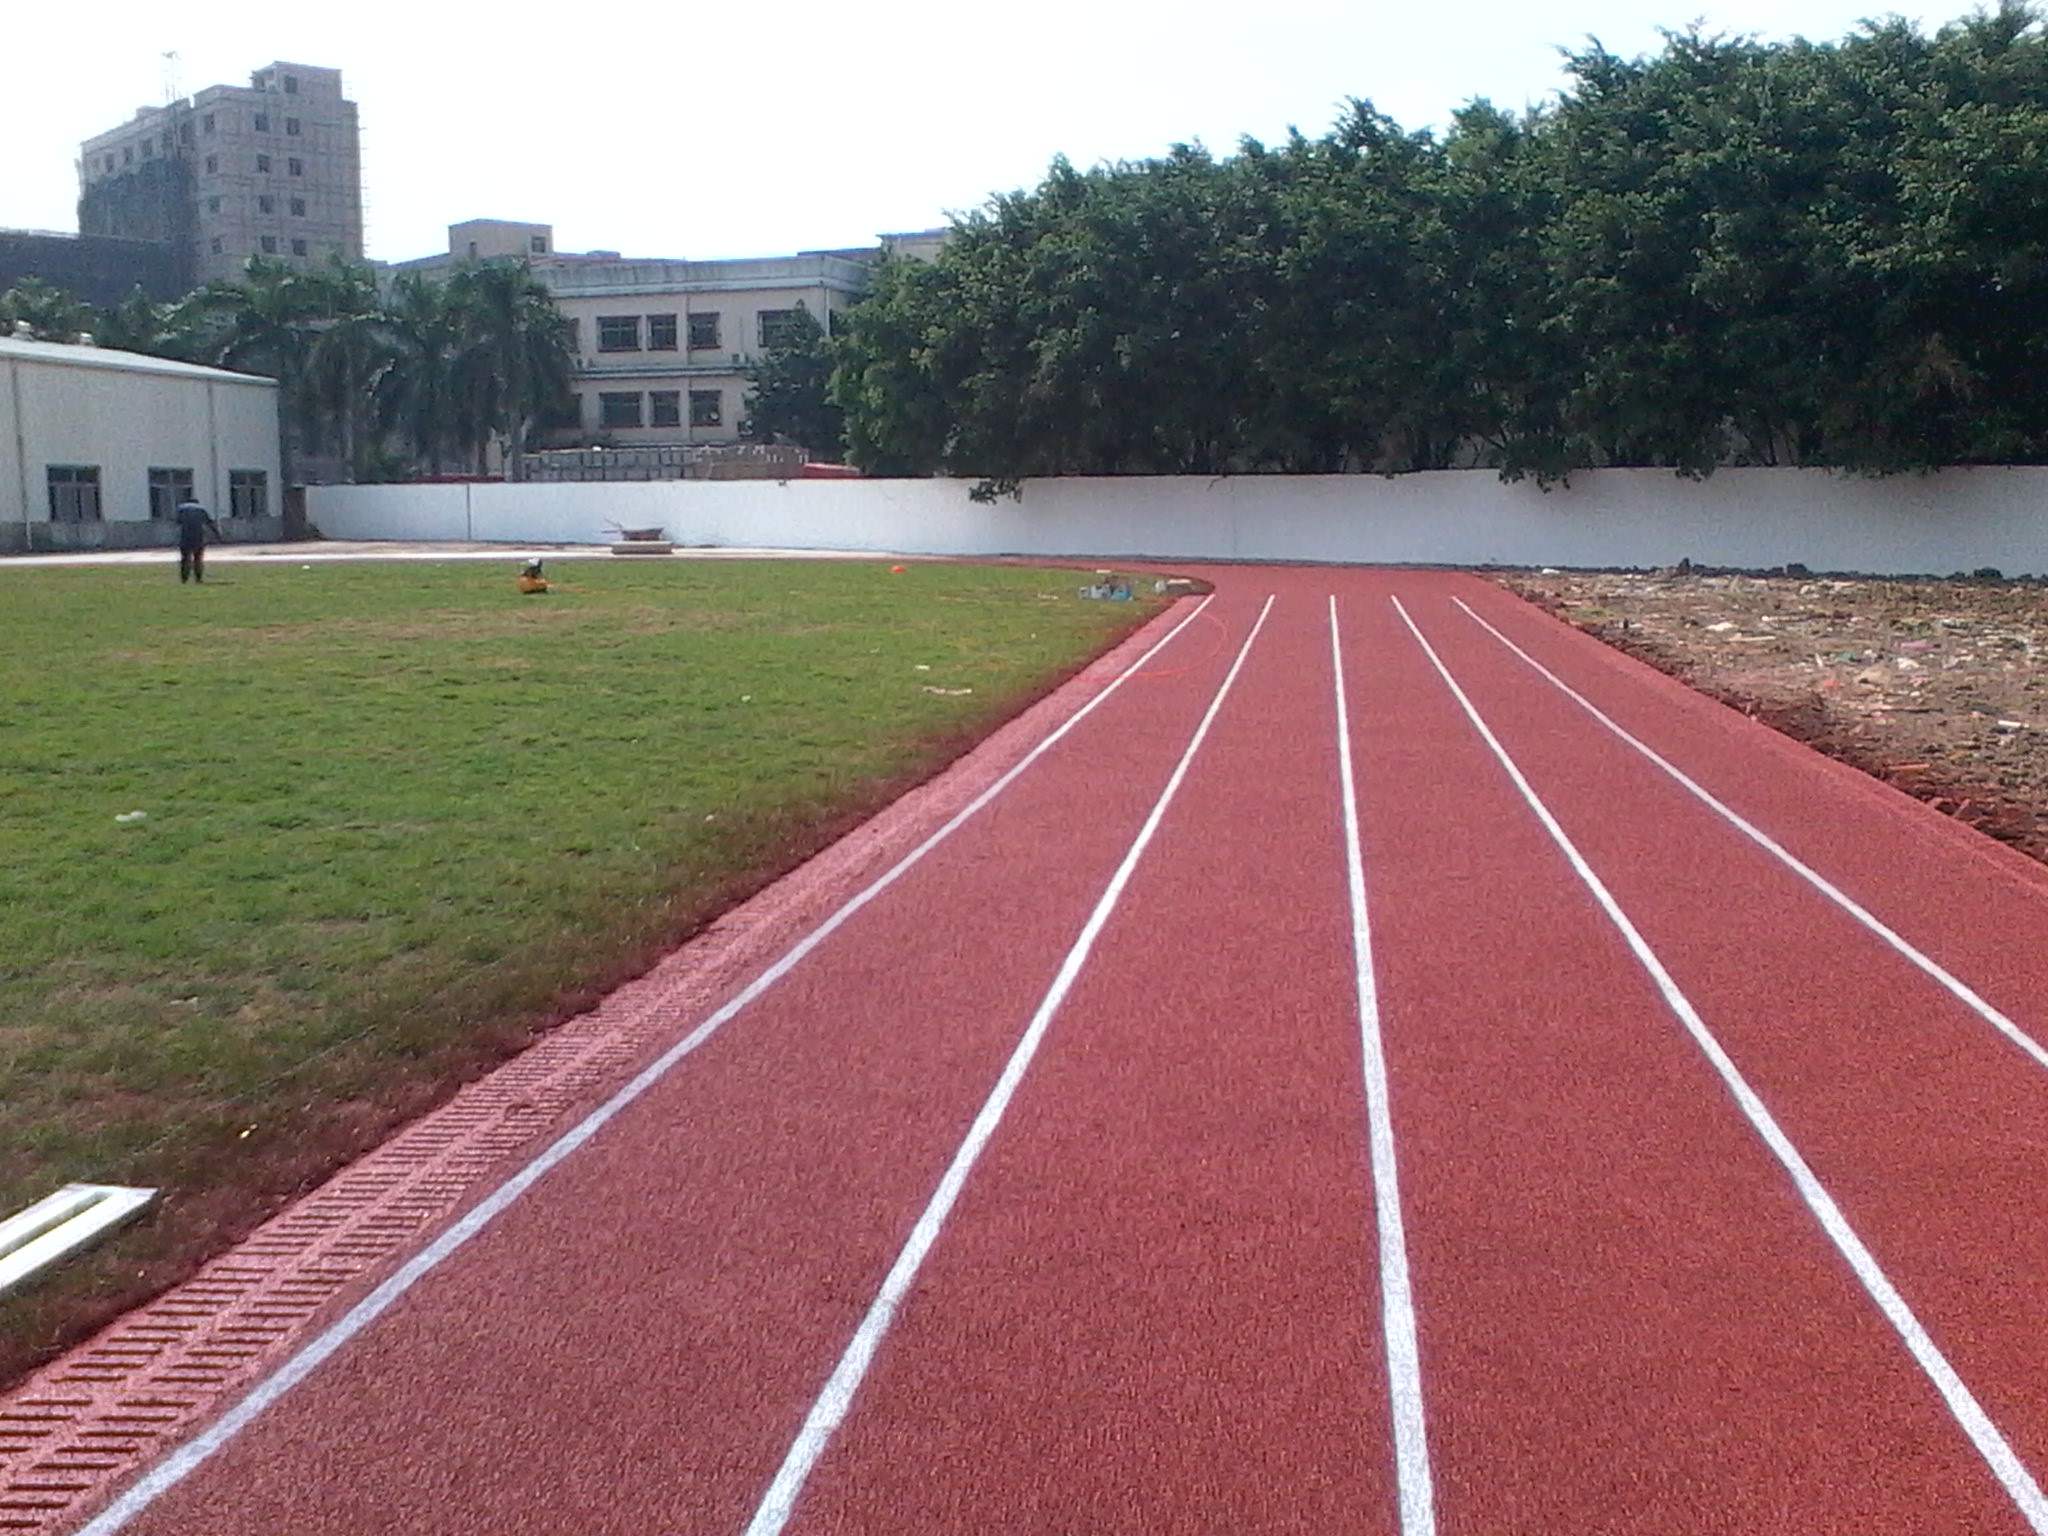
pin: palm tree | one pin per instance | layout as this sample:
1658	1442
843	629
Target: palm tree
136	324
515	365
417	395
264	324
50	313
351	349
448	367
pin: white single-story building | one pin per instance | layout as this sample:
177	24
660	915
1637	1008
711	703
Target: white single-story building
97	447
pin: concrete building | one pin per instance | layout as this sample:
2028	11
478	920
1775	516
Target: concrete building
97	447
663	346
270	169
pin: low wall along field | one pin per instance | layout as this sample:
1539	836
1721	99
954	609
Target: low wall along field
1957	520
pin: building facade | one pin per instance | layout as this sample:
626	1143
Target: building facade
270	169
97	447
663	348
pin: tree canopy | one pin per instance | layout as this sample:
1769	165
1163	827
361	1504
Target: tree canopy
789	399
1728	252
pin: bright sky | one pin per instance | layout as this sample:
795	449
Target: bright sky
737	129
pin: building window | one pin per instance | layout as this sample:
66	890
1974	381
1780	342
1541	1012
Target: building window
127	155
298	207
213	165
266	205
298	247
263	122
206	122
618	333
165	140
567	416
184	133
263	163
291	127
472	248
296	166
661	333
707	408
148	150
573	329
666	408
270	245
168	487
778	328
618	410
704	332
216	247
74	493
539	244
110	163
248	493
291	85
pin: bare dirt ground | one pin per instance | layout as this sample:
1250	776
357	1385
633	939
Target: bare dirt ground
1937	687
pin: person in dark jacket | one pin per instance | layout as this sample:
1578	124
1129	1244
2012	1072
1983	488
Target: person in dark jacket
193	521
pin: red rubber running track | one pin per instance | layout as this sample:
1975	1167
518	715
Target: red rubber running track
1396	1066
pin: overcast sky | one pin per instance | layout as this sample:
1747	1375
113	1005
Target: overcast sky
741	129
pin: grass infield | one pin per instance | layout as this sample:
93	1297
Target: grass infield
396	819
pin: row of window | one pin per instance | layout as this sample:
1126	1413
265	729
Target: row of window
294	165
269	243
661	408
265	204
75	492
293	129
657	333
149	146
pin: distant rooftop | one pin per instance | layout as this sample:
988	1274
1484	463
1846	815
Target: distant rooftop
518	239
67	355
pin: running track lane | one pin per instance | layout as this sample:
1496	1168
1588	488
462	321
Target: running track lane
1928	1124
1155	1306
630	1346
1629	1320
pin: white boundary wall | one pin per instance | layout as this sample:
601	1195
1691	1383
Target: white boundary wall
1958	520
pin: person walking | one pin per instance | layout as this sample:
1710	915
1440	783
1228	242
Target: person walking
193	521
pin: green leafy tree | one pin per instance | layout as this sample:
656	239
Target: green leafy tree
1723	252
790	397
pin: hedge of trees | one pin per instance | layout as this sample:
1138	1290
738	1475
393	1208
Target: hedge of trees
1726	253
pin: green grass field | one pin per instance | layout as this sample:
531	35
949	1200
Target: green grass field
398	818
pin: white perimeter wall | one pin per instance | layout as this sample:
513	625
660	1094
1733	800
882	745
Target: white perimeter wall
128	422
1955	520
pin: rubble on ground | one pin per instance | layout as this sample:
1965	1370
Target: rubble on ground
1939	687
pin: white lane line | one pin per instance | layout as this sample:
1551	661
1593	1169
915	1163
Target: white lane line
183	1461
1397	1300
1954	984
830	1410
2004	1462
